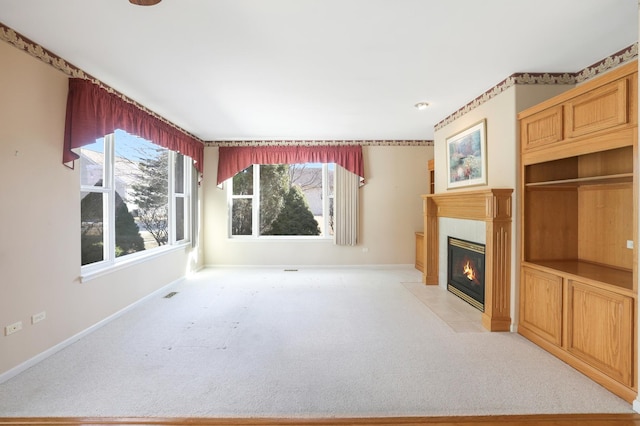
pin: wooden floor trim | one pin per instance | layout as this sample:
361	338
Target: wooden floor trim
513	420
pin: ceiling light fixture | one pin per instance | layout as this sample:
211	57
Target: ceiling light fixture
144	2
421	105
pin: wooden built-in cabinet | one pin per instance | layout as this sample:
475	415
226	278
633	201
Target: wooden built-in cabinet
579	208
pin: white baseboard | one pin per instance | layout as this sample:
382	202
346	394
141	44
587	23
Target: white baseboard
52	350
363	266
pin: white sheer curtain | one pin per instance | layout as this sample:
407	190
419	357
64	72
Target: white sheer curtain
346	207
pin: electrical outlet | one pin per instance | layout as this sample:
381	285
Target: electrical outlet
13	328
36	318
630	244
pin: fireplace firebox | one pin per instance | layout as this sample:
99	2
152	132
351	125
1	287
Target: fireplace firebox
465	277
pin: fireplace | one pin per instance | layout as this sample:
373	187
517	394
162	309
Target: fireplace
493	207
466	267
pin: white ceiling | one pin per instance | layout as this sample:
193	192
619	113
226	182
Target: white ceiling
319	69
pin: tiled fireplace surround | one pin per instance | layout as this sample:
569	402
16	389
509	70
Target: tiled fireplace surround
482	216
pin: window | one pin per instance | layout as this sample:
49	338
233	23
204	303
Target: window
134	198
282	199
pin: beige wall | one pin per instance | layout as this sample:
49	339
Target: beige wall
40	217
390	214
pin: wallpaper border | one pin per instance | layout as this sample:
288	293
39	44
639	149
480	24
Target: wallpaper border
310	142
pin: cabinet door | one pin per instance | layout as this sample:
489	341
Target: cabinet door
541	304
598	109
600	331
542	128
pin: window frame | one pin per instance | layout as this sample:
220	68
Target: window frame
255	208
110	261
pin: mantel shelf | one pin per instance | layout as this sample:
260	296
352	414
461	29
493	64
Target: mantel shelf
593	180
485	204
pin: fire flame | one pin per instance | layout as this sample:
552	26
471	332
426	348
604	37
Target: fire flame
469	272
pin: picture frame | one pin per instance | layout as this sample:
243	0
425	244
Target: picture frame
467	157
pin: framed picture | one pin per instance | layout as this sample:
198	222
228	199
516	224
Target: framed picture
467	157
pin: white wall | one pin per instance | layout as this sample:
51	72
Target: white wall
390	214
40	217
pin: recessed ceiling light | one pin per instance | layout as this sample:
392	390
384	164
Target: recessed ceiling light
422	105
144	2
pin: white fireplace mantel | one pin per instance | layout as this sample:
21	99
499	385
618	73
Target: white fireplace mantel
493	206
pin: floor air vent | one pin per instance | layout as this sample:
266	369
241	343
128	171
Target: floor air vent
170	295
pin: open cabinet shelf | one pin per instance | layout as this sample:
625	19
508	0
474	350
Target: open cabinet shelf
592	180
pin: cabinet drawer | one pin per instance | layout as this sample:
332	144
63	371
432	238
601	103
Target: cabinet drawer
541	304
599	109
542	128
599	330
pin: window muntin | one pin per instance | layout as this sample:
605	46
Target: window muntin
282	199
132	200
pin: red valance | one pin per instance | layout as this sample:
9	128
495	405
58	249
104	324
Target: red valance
232	160
93	112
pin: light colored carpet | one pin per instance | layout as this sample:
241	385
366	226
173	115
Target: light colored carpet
311	343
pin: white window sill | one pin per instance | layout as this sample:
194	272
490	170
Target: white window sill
284	238
91	272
